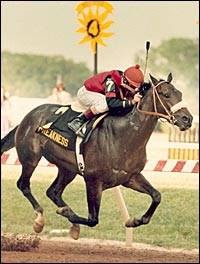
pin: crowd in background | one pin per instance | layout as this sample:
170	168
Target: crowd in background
5	112
9	105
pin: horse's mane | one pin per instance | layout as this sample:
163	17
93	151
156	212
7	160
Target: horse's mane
144	88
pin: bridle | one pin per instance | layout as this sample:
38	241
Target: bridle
169	114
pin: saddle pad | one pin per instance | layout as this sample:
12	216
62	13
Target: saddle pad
57	130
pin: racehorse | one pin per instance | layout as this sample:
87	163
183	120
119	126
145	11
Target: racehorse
115	154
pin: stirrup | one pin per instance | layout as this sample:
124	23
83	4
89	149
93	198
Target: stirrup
76	131
79	131
73	125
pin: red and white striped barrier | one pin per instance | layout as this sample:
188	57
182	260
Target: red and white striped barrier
187	166
170	165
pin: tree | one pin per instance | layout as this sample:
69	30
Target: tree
35	75
181	57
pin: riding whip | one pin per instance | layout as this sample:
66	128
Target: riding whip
147	50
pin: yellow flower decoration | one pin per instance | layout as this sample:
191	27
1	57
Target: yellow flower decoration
93	22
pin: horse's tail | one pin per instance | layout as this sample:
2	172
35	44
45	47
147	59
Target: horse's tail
8	141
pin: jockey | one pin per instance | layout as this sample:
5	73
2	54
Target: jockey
111	91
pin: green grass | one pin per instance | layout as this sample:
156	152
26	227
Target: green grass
174	224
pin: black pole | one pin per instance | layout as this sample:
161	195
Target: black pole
147	50
95	59
147	45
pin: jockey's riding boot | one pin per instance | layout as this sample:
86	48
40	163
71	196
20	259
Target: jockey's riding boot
78	122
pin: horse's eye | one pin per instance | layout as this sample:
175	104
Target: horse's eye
166	95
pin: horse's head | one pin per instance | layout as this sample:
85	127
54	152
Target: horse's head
168	103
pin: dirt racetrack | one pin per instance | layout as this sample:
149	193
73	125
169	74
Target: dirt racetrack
69	251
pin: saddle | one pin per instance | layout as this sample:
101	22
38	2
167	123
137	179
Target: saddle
57	130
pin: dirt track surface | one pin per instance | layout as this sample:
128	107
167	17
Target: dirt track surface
69	251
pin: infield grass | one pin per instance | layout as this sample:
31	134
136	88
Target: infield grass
174	224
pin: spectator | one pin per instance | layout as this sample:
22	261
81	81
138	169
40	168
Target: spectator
53	97
59	95
5	113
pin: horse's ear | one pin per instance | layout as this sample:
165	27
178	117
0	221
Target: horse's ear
169	78
153	79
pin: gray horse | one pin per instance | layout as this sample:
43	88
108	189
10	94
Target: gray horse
115	154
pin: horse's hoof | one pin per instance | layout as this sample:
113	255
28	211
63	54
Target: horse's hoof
136	222
129	223
74	231
38	223
37	227
133	223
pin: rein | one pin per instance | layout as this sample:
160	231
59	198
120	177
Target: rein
168	116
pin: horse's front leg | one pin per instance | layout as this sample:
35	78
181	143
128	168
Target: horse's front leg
94	194
140	184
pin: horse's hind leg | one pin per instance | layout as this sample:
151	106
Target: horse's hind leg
140	184
55	191
94	190
24	185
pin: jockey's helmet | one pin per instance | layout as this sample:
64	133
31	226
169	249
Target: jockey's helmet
134	76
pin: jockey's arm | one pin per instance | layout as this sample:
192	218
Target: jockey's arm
111	97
